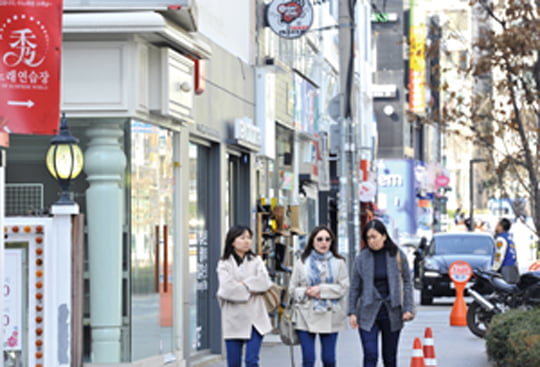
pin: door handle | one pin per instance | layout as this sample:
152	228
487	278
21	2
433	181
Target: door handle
165	258
156	262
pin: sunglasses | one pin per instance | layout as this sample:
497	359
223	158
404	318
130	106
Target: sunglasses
320	239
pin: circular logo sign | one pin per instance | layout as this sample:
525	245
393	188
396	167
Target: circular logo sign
290	18
460	271
442	180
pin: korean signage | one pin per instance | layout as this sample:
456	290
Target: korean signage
417	70
460	271
290	18
417	62
30	51
12	313
247	134
306	105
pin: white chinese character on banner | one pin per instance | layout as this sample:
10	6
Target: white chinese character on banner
24	49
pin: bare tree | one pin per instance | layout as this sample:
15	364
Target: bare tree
506	124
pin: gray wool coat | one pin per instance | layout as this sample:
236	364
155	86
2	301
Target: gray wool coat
240	297
365	301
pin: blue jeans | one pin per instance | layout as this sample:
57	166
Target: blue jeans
253	348
390	341
328	348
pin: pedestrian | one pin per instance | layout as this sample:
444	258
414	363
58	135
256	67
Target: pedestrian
381	295
319	285
419	254
243	279
505	258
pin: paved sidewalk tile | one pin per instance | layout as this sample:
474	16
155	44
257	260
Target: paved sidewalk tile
454	346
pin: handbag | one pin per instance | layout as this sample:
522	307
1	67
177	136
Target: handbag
287	332
272	297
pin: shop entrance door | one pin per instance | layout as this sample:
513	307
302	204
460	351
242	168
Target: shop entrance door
199	206
152	241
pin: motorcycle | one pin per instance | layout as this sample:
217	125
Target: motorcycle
493	295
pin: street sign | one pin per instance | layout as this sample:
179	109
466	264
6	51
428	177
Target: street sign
460	271
30	52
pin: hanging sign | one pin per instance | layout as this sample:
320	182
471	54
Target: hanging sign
367	191
442	180
290	18
30	51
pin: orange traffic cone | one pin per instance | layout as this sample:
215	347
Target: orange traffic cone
417	359
429	349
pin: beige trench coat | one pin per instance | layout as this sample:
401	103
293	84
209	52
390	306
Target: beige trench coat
330	321
242	304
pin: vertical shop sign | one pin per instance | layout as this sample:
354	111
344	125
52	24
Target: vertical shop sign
306	105
30	51
417	62
11	315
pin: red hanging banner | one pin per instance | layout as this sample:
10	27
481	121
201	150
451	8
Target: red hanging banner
30	55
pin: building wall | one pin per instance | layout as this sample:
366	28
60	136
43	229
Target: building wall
229	24
393	132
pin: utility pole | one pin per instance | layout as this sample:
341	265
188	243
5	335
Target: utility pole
348	206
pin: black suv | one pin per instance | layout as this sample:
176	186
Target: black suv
431	262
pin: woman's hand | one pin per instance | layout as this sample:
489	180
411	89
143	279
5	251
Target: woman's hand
353	321
408	316
314	292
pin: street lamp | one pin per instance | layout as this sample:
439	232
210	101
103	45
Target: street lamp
64	160
471	189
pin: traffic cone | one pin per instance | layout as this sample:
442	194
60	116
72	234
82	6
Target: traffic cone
429	349
417	359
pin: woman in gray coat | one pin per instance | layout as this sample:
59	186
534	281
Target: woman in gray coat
243	279
381	294
319	285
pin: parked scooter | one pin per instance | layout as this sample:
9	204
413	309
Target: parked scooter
493	295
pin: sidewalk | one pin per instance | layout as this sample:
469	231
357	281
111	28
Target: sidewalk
454	346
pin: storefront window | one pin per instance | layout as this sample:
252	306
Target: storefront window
152	234
198	247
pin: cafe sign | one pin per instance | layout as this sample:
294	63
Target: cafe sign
290	18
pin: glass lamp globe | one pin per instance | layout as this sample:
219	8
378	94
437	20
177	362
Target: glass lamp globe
64	160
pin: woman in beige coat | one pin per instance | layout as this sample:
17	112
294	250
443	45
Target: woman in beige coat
243	279
319	285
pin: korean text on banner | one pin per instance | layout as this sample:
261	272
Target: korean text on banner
30	55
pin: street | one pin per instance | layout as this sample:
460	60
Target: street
454	346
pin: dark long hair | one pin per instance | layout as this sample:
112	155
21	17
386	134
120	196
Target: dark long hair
233	233
381	228
311	239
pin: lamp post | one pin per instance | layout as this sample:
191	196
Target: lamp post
471	189
64	160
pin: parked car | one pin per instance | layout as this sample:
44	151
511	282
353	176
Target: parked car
432	261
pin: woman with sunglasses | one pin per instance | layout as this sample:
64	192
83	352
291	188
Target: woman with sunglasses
243	279
318	286
381	295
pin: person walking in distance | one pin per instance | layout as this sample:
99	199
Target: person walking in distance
243	279
319	285
381	295
505	259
